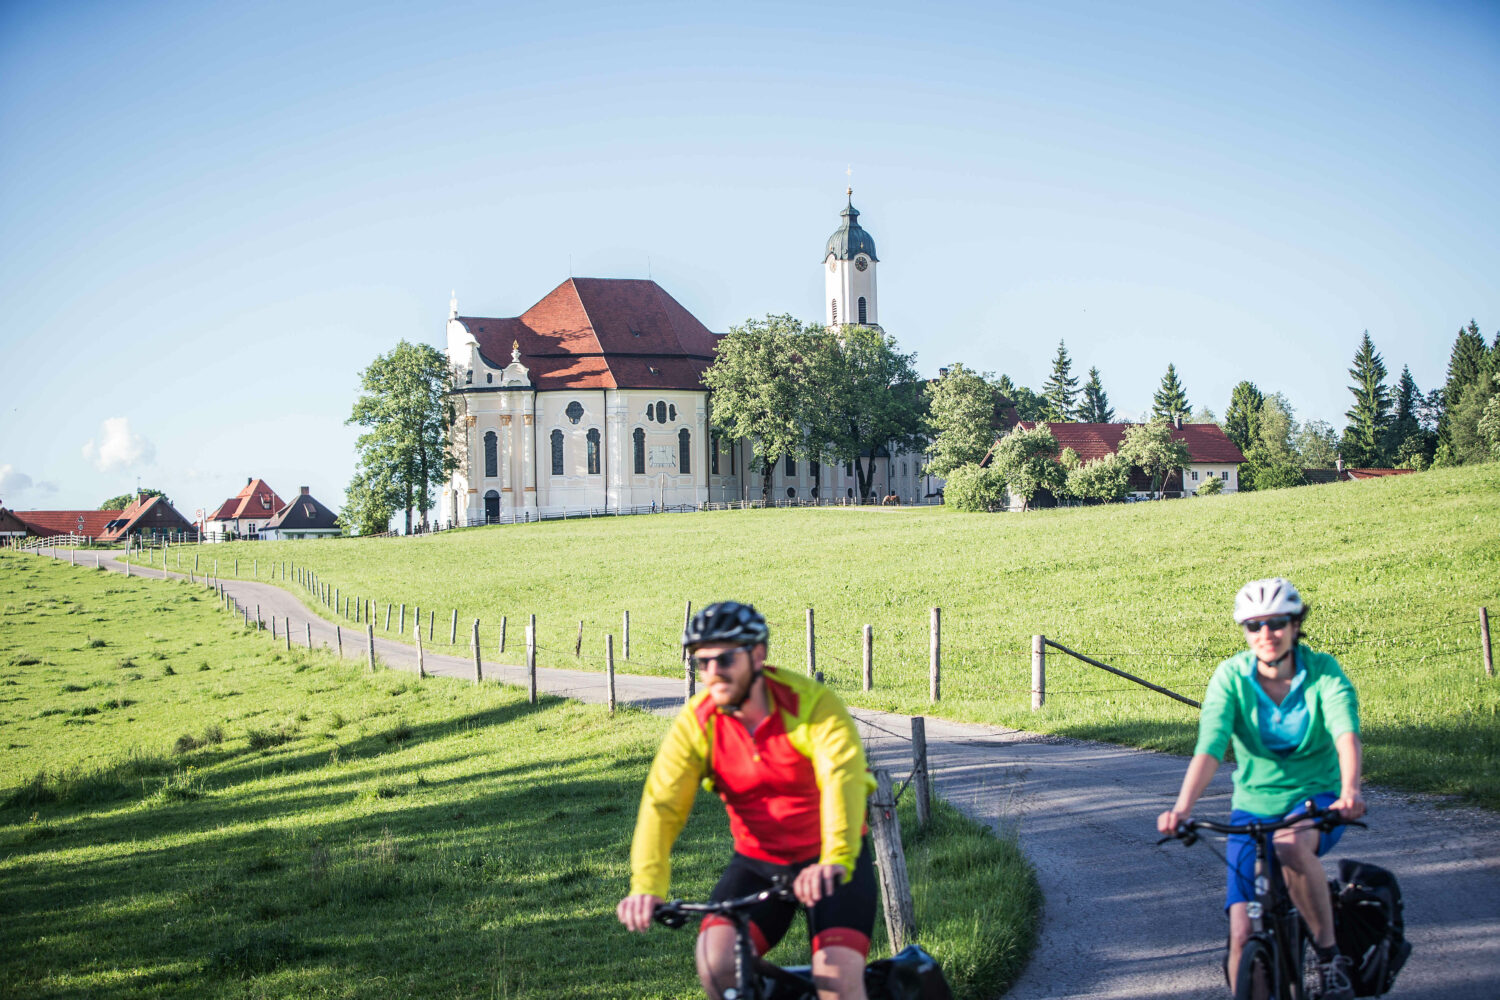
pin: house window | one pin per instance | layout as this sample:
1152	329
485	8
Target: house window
265	503
713	454
1226	475
849	471
684	452
574	412
833	310
593	440
557	453
791	467
489	376
491	447
661	411
639	438
861	310
1195	475
732	460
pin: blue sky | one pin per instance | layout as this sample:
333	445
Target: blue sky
213	216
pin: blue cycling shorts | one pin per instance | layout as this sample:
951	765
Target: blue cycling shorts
1239	852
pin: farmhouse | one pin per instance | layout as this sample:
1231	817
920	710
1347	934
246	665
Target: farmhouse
1212	455
151	517
593	398
304	517
12	528
50	523
243	515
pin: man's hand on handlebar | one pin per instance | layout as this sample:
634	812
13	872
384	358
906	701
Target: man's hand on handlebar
816	881
635	911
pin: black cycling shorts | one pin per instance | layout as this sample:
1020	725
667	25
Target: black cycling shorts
843	919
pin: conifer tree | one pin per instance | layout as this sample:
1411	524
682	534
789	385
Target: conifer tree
1242	419
1095	408
1170	401
1465	363
1407	443
1365	435
1061	388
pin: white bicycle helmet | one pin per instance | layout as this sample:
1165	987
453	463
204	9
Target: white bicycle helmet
1261	598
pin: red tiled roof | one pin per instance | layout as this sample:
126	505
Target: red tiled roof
1205	442
154	512
45	523
246	503
1318	476
602	333
1375	473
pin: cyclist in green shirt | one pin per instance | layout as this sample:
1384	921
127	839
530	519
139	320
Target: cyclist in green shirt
1293	720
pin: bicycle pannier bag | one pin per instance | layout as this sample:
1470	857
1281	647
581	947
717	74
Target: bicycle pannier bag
911	974
1369	926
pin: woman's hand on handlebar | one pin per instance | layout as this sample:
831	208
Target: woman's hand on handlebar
1350	805
1168	822
635	912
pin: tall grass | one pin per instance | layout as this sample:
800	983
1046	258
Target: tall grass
1396	570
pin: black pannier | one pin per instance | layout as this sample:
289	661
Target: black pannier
1369	926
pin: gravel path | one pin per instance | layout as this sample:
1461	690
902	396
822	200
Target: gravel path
1123	918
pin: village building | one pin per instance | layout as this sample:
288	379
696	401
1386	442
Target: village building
52	523
304	517
12	528
244	514
149	517
593	399
1211	456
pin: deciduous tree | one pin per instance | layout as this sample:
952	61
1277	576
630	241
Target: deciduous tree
961	411
759	380
1317	445
1272	461
1152	449
1027	461
1170	400
1029	406
970	488
869	397
1365	435
126	499
404	406
1103	479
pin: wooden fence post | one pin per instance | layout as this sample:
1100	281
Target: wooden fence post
236	565
358	607
869	658
609	671
370	644
890	863
338	605
812	649
431	624
531	661
416	633
919	781
689	681
578	646
453	630
273	627
1484	641
1038	672
288	633
402	627
502	633
388	616
258	625
338	633
935	656
309	635
478	670
626	648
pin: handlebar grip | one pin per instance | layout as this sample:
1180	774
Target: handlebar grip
669	916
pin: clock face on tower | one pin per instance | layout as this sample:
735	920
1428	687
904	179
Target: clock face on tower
861	262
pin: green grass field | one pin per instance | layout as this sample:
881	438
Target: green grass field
1396	570
188	810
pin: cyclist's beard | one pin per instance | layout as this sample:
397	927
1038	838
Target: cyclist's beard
740	694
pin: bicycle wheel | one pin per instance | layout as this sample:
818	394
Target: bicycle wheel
1256	977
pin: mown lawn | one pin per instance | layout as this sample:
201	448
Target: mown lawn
188	810
1396	570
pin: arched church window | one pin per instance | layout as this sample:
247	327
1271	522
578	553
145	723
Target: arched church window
491	447
791	491
574	411
639	440
791	467
557	453
851	493
834	311
661	411
713	454
672	411
849	469
684	452
593	440
489	377
732	460
650	412
861	310
814	469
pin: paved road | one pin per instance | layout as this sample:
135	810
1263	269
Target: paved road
1123	918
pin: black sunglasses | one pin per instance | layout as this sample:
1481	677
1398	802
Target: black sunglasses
1274	624
724	661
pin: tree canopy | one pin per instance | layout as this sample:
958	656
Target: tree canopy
1365	435
760	384
405	452
1095	408
1061	388
1026	460
961	412
1170	400
1029	406
1152	448
126	499
1242	419
868	397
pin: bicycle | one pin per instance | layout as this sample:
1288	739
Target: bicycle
910	975
1273	962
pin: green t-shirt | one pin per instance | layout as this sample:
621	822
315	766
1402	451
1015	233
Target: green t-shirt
1267	783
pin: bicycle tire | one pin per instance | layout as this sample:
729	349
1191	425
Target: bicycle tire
1256	977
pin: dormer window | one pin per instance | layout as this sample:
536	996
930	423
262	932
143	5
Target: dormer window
265	503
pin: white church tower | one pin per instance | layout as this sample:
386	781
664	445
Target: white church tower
850	280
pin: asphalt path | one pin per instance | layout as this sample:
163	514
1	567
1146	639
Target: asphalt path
1123	918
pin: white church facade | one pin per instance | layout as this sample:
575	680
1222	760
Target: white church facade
593	399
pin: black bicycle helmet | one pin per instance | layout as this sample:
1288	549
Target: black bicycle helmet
727	622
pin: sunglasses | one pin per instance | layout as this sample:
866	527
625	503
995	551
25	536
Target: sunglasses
1274	624
722	663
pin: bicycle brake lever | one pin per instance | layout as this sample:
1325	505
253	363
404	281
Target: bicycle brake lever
1165	839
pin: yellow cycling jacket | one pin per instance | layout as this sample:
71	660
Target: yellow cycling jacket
794	789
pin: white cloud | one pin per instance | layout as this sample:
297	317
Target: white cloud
13	480
119	447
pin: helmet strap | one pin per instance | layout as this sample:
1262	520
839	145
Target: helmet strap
755	675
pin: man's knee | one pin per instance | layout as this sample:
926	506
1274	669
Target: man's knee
715	955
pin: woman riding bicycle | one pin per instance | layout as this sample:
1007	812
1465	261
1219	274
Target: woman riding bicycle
1293	719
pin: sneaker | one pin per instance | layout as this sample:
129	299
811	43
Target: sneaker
1333	979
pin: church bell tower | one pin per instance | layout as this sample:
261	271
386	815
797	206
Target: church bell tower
849	279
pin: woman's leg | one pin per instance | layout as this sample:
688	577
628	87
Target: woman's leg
1239	933
1297	849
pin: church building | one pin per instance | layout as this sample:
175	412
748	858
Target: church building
593	398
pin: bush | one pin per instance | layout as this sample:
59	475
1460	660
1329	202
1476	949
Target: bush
1214	485
971	488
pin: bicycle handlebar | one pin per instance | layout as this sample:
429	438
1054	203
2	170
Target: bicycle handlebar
1324	820
676	913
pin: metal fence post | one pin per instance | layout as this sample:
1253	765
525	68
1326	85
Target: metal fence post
626	637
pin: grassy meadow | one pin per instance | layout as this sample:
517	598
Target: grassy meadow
186	809
1395	569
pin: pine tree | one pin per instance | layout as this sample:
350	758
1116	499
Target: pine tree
1061	388
1465	363
1170	401
1242	419
1365	436
1095	408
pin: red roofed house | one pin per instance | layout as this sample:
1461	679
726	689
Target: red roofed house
1342	473
1213	455
49	523
151	516
12	528
245	513
594	398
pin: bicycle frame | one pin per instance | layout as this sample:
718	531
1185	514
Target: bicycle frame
751	974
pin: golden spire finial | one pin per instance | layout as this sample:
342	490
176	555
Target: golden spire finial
849	173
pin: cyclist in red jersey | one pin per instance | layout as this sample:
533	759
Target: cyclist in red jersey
782	752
